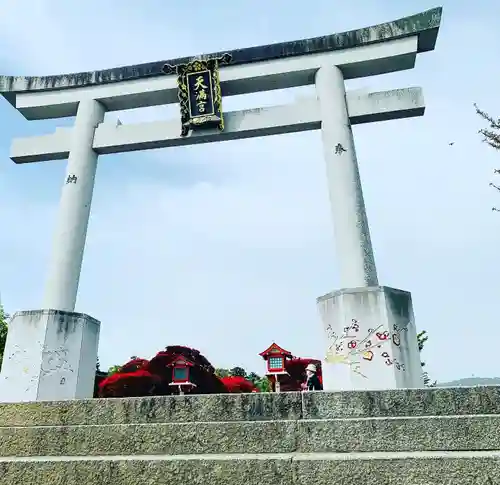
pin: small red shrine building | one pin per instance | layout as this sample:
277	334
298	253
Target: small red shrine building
181	368
275	356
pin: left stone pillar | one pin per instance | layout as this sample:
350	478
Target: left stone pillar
49	355
74	210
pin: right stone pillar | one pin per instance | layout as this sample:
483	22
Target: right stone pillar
371	339
353	245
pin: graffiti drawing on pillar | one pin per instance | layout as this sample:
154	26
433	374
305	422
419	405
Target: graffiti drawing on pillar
368	355
353	346
55	360
339	149
22	358
71	179
382	336
396	336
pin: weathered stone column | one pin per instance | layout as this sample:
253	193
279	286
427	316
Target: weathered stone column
74	211
352	235
51	354
369	329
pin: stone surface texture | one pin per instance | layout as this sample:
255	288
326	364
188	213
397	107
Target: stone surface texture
356	262
49	355
397	437
307	436
371	339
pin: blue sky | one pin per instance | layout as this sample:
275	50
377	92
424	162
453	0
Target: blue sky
225	247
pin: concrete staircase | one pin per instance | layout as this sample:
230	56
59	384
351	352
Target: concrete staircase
410	437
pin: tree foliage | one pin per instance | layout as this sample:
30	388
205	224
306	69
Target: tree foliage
422	337
491	136
219	372
114	369
237	371
238	384
3	331
263	384
141	377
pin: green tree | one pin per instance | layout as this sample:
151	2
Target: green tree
238	371
219	372
263	384
116	368
3	331
422	337
252	377
491	136
113	369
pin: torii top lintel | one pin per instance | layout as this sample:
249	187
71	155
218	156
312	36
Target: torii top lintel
425	25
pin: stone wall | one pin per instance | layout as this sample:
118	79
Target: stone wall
398	437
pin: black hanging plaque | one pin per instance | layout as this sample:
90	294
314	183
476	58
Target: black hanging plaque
199	91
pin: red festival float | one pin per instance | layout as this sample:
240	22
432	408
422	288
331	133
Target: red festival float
183	370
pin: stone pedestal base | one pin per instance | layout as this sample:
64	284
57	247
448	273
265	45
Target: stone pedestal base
49	355
371	340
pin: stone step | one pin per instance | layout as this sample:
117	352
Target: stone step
416	468
256	407
453	433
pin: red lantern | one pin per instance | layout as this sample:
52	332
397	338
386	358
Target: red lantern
180	373
275	357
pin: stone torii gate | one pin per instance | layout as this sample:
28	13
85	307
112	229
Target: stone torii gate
370	331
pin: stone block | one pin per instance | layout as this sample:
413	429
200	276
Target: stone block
256	407
371	340
150	439
433	433
444	433
161	409
160	470
430	401
49	355
437	436
419	468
